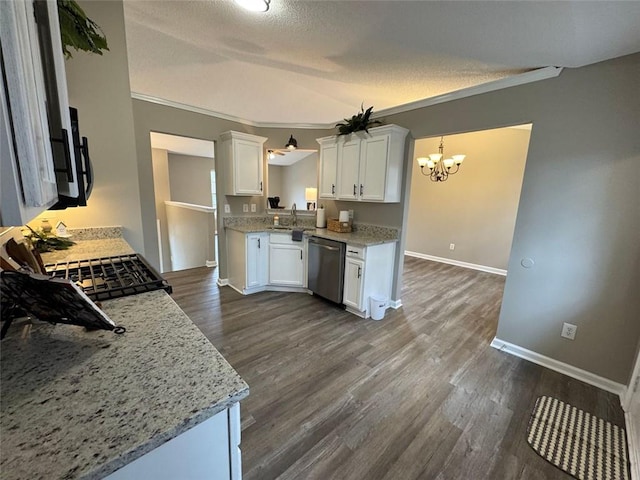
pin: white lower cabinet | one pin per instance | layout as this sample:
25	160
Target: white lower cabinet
248	261
368	271
208	450
257	245
286	261
353	270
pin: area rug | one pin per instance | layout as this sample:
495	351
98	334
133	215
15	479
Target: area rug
581	444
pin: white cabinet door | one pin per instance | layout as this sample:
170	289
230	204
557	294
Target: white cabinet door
241	162
328	171
286	265
353	274
248	167
28	177
201	452
373	168
257	259
348	167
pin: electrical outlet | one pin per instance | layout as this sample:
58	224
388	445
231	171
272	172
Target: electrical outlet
245	207
452	246
351	215
227	208
253	208
569	331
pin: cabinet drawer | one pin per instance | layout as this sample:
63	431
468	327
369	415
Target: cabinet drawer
356	252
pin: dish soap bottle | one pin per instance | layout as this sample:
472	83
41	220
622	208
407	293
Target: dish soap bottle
276	220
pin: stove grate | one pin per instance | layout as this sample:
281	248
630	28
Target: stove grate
110	277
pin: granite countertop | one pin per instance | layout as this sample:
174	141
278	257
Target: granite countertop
82	404
363	234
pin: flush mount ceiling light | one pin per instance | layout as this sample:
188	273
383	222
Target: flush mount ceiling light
292	144
254	5
439	169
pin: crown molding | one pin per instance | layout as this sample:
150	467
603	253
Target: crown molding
521	79
515	80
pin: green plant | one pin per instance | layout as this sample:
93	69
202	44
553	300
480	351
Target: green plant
358	122
45	243
79	31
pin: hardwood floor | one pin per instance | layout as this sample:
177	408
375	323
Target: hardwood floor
418	395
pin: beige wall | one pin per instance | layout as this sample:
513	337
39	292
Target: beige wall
190	179
99	87
474	209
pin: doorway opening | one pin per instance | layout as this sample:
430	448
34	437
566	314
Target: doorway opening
469	219
185	199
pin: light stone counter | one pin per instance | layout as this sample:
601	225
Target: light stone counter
363	234
81	404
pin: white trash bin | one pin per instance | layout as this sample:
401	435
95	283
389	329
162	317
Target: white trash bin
377	306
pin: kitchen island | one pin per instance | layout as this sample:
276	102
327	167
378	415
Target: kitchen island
83	404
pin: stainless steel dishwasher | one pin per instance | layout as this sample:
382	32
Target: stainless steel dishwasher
326	268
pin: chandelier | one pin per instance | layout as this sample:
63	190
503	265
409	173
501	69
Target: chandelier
439	169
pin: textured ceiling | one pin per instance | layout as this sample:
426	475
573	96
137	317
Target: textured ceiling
315	62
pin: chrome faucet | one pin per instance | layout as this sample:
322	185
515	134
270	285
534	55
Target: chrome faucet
294	215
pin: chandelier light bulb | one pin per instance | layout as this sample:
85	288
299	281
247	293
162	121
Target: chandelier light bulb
448	162
422	161
435	157
458	159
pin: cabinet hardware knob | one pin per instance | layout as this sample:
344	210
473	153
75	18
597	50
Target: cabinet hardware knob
260	186
359	271
361	187
333	189
354	189
258	243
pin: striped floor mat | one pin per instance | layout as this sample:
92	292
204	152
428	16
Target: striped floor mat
577	442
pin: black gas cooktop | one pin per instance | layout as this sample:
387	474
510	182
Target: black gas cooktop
110	277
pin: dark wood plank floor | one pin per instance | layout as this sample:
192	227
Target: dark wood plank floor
418	395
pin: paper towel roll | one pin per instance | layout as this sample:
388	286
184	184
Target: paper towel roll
321	219
344	216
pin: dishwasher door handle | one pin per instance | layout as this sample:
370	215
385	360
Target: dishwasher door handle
327	247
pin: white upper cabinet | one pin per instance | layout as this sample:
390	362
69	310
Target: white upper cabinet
241	155
349	169
368	166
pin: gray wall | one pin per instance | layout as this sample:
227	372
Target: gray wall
99	87
190	179
150	117
578	216
476	208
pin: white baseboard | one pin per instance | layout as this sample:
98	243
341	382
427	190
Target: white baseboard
210	263
395	304
223	282
633	443
473	266
561	367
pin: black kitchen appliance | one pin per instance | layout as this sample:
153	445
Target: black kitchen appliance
110	277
